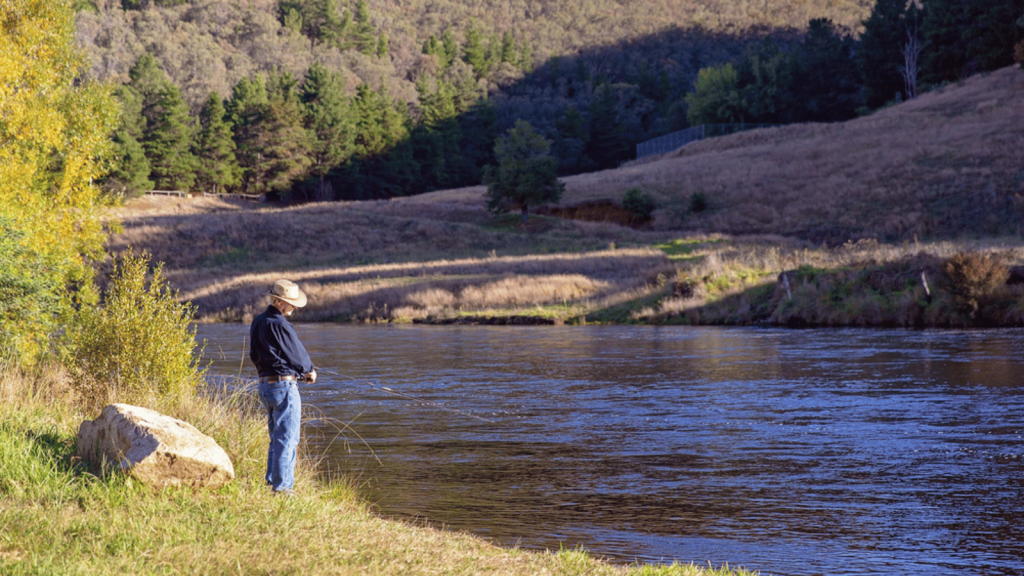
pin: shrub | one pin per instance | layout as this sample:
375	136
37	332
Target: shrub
698	202
138	342
1018	53
28	296
639	204
974	279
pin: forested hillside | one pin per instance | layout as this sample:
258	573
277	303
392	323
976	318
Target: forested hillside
336	99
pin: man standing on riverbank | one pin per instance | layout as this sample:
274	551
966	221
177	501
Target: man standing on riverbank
281	361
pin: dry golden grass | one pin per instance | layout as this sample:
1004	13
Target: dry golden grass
944	167
948	163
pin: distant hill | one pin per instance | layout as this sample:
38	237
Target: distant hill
948	164
209	45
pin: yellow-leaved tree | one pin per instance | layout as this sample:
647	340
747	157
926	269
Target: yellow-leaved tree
54	141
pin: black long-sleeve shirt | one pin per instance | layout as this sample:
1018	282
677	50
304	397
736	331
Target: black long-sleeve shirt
275	348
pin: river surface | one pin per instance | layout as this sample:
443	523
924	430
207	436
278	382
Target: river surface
788	452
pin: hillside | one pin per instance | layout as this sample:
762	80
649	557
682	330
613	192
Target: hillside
209	45
935	175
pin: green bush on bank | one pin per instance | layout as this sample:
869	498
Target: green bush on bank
139	341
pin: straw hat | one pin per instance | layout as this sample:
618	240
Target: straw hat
289	292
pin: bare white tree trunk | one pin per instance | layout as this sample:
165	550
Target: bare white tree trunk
323	192
911	54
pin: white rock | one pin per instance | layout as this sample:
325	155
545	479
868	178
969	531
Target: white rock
158	450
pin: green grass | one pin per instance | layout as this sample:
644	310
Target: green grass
684	248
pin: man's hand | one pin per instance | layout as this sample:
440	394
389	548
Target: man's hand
311	377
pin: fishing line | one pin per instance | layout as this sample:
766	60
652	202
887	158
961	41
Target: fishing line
374	385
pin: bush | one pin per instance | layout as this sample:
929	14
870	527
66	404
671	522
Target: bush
698	202
974	279
28	296
639	204
1018	53
140	341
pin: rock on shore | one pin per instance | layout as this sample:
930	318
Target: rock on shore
158	450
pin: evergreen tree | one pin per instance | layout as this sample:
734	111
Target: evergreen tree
479	131
284	142
167	137
607	145
363	36
525	174
880	53
245	111
764	82
382	45
129	175
438	136
825	83
509	53
475	53
962	38
387	165
573	141
215	150
329	121
450	46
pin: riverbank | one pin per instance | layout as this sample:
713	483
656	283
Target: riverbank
369	262
58	516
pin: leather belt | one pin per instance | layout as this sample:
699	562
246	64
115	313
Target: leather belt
273	379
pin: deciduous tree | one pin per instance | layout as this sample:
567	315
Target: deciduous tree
54	139
716	97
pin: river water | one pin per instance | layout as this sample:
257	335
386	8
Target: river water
788	452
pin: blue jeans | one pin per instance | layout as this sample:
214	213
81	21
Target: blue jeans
283	421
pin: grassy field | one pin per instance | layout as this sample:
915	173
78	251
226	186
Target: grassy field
888	197
59	516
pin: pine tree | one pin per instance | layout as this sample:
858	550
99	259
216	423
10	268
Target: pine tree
825	83
386	161
964	37
479	131
475	53
284	143
329	121
215	150
450	45
245	111
508	49
364	35
880	53
129	175
167	137
607	145
572	143
437	138
765	82
526	173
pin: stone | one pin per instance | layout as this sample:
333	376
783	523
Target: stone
158	450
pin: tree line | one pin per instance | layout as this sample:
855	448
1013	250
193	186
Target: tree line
323	132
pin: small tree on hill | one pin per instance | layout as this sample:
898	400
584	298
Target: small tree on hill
525	173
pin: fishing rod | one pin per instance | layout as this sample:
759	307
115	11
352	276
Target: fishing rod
375	386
